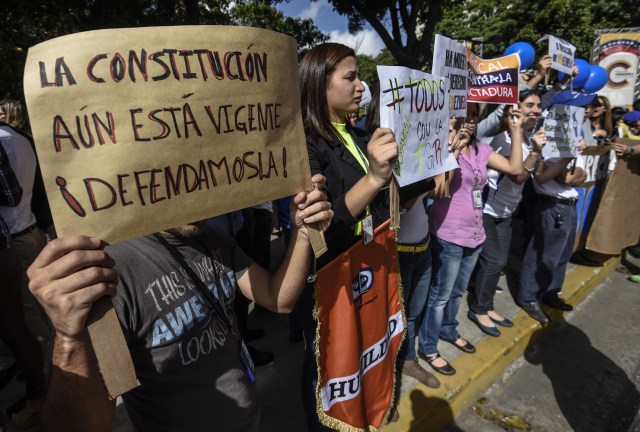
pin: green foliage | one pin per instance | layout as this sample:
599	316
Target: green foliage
27	23
502	24
367	65
406	28
265	16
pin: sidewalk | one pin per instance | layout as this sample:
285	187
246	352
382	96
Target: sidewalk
422	408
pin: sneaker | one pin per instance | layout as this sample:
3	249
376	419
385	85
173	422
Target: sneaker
413	369
634	278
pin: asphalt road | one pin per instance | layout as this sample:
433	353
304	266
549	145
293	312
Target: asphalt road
583	375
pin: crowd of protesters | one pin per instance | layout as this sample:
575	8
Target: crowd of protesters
455	234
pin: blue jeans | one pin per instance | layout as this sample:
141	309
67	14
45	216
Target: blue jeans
452	267
548	251
415	274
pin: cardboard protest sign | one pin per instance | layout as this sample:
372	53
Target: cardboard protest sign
415	105
562	54
562	126
493	81
139	130
450	61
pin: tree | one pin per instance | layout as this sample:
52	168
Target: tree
367	65
499	25
24	24
266	16
412	25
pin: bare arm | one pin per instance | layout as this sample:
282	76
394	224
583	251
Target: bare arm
285	285
531	161
512	165
67	277
543	69
550	172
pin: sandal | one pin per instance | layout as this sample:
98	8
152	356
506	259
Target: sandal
447	369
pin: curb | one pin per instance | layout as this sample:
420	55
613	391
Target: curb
425	409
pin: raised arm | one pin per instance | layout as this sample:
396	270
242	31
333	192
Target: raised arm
67	277
382	150
532	159
512	165
285	285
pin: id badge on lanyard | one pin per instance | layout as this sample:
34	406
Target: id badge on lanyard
367	229
477	198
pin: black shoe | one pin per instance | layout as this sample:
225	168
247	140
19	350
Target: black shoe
253	334
557	303
260	358
504	322
466	348
491	331
447	369
534	310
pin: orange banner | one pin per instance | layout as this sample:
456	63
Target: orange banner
361	327
493	81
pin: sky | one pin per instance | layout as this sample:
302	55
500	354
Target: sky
333	24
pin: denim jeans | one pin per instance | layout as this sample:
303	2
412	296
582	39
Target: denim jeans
548	252
451	267
415	273
493	258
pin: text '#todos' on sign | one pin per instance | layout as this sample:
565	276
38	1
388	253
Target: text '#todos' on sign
415	105
139	130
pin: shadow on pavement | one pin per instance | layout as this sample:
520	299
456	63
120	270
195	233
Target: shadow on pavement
592	392
421	403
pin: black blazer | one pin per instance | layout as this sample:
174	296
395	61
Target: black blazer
342	170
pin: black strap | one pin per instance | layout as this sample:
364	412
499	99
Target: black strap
220	310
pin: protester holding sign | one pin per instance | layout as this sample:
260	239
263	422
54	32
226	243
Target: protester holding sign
356	166
457	236
553	231
192	365
502	196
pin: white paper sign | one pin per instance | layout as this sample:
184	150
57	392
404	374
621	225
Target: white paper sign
562	126
415	105
562	54
450	61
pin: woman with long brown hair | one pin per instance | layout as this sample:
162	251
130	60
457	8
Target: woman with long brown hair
357	167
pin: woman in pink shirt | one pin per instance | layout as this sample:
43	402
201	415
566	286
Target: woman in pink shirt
457	235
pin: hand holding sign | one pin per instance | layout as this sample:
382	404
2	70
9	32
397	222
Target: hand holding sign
517	118
539	140
383	151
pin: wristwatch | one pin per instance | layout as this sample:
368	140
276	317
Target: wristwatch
632	150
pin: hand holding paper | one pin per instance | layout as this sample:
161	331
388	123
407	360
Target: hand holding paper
383	150
67	277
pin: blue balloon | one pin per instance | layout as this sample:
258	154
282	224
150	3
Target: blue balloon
583	74
525	51
598	77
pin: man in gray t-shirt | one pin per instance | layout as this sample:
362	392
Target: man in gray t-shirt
172	292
